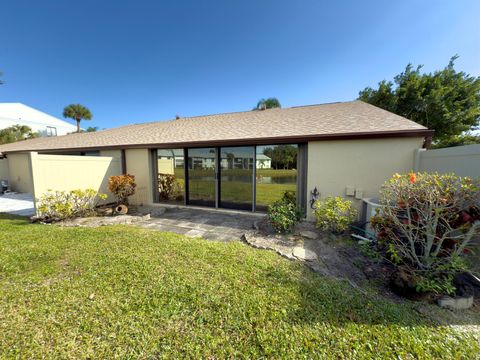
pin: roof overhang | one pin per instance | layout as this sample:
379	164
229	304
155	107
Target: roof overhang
421	133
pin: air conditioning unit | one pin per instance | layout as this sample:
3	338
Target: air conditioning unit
3	186
370	206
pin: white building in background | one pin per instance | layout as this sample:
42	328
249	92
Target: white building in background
46	125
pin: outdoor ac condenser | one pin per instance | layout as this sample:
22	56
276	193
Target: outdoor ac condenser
370	206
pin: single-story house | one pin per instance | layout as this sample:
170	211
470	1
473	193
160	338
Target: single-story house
341	149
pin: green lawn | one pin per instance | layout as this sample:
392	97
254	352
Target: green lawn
132	293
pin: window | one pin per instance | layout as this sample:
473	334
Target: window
51	131
170	175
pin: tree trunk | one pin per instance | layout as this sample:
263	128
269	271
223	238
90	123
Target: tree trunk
78	125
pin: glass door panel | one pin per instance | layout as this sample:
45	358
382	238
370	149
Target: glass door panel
201	176
276	173
236	177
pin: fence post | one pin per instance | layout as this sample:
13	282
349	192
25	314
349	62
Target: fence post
418	159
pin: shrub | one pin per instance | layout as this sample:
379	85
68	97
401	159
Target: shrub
168	187
284	214
334	214
122	186
59	205
428	223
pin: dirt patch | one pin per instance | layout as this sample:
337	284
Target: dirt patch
336	256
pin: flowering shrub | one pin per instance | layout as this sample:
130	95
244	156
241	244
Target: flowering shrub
428	223
59	205
122	186
284	214
334	214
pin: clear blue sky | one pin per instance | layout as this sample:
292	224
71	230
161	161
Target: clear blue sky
137	61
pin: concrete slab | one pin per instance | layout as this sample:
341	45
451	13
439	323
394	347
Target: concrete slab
209	224
17	204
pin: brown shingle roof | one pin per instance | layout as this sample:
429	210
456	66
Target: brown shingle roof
327	121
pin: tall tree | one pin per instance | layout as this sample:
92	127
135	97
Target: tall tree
78	113
16	133
269	103
446	100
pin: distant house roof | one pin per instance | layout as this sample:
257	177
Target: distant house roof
353	119
18	113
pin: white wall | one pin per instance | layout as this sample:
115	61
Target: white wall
21	114
461	160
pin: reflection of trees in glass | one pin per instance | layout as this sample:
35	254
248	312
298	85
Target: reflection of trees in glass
283	156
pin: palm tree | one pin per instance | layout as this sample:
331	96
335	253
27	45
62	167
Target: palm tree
269	103
78	113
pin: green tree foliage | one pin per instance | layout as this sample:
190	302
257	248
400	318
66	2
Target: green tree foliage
91	129
78	113
446	100
457	140
282	156
16	133
269	103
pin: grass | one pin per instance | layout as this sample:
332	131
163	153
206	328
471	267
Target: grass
133	293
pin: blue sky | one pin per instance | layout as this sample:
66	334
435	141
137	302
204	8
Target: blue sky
138	61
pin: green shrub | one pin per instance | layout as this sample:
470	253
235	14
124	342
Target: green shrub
59	205
335	214
427	225
284	214
122	186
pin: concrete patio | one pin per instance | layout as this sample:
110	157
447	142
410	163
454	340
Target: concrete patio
209	224
17	204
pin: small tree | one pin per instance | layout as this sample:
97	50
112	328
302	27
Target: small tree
122	186
269	103
78	113
427	223
16	133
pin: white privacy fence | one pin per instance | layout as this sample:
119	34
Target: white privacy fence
461	160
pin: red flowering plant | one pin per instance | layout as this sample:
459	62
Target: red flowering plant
428	223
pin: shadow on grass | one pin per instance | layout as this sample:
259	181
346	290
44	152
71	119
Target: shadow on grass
333	301
17	219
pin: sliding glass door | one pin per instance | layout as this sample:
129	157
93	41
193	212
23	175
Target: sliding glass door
202	176
236	177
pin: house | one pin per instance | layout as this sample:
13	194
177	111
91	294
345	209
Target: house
242	160
45	125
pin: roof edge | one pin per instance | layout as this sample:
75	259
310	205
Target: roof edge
425	133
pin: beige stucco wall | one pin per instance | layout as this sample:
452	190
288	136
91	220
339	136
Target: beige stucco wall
67	172
4	169
461	160
363	165
20	177
139	164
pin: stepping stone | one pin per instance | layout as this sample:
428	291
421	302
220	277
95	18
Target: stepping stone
304	254
309	234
